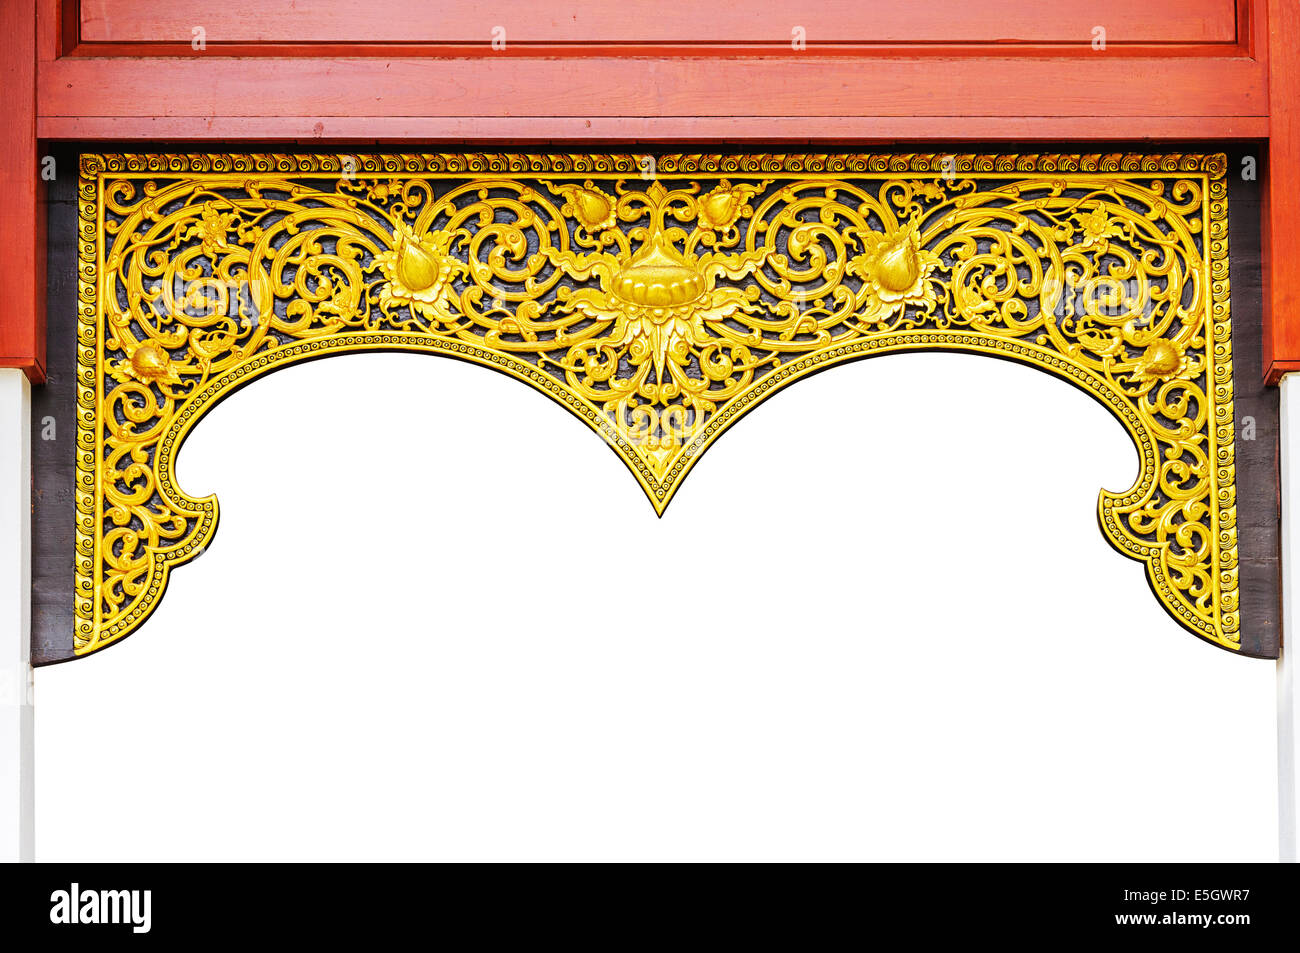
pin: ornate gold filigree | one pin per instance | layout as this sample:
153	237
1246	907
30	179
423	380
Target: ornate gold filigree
659	310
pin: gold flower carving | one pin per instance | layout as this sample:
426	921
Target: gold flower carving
659	310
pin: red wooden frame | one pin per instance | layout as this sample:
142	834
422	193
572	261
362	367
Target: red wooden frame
22	224
332	28
623	79
1282	202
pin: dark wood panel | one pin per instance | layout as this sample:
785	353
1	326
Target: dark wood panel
54	461
1258	501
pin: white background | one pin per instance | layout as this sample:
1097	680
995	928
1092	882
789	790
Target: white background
441	621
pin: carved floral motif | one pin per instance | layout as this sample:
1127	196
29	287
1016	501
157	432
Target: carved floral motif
658	310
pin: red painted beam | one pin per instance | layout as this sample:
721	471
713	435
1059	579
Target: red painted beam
831	133
1281	265
22	207
645	22
1086	86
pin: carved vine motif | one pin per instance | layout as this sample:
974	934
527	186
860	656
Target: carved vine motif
658	310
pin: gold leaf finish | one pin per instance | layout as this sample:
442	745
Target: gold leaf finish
659	310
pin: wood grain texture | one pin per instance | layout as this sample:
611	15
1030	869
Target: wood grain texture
798	85
54	414
22	224
832	133
1282	200
647	21
1258	502
56	28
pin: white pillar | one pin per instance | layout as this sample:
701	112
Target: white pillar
17	792
1288	712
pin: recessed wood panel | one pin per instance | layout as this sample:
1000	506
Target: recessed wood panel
598	22
633	87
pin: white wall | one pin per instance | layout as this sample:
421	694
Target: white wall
17	794
440	620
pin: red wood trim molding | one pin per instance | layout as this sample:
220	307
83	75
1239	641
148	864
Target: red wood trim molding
400	28
22	224
1033	90
1040	133
1281	196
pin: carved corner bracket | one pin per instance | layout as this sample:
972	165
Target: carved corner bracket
659	300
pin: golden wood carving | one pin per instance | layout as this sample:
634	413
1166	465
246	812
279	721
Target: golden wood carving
659	301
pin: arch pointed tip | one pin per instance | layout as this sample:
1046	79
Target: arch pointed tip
659	503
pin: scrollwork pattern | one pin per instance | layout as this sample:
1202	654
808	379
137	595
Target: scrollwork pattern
657	309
